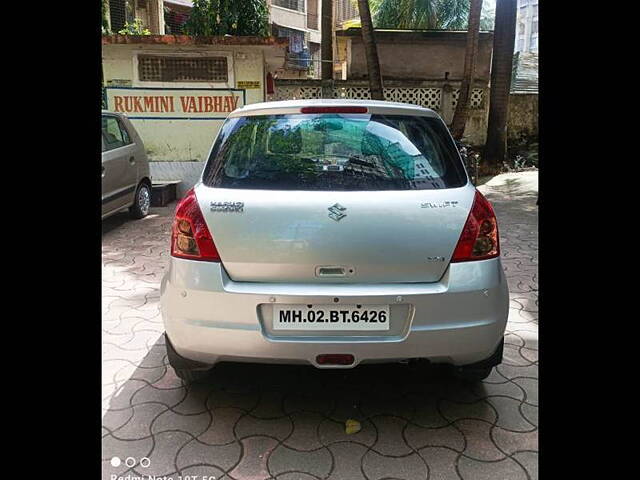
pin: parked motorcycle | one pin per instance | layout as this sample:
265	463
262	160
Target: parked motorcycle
471	160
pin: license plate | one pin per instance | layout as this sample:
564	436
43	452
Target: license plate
330	317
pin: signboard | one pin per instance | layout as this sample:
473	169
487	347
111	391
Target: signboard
248	84
175	103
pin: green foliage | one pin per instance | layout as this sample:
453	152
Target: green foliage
522	152
428	14
106	28
487	17
374	5
422	14
135	28
453	14
228	17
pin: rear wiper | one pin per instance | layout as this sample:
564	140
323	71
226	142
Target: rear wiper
363	163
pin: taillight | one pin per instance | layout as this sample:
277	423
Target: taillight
479	237
190	237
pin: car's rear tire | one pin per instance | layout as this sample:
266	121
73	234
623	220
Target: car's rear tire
191	375
186	369
477	372
472	374
141	202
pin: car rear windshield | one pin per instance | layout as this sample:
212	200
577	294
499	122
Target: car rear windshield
349	152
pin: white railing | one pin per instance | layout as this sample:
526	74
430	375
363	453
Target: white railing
429	97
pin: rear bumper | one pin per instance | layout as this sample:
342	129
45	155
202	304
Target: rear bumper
459	320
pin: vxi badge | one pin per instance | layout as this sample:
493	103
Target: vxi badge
335	212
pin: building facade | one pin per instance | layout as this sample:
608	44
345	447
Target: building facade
527	27
299	21
177	90
418	67
149	12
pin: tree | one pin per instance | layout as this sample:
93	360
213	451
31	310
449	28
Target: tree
228	17
488	17
326	45
106	28
422	14
370	51
471	52
501	68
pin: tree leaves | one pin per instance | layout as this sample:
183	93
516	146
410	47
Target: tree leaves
228	17
422	14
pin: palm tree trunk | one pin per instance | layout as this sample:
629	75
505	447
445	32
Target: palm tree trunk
471	53
371	51
503	42
326	48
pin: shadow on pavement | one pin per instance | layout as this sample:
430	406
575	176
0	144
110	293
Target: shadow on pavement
123	219
115	221
209	424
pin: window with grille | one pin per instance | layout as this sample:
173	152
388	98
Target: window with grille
297	5
182	69
118	13
345	10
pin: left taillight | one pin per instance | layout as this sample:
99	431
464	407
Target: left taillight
190	236
479	239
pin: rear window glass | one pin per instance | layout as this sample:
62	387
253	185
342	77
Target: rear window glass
348	152
113	133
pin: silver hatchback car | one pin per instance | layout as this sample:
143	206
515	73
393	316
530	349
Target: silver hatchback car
334	233
126	182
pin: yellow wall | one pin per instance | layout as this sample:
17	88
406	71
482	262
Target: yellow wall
182	140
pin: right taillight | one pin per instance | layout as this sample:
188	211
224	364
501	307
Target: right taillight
479	237
190	237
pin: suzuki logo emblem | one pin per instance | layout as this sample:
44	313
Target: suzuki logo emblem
335	212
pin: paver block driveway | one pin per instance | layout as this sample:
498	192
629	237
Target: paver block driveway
287	422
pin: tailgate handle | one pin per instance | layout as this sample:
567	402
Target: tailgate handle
333	271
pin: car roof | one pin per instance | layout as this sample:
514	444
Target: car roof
109	112
293	106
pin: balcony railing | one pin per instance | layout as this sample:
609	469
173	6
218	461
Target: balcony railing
299	61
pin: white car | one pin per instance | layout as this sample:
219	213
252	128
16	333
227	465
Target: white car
334	233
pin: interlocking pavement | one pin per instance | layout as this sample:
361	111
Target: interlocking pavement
253	422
